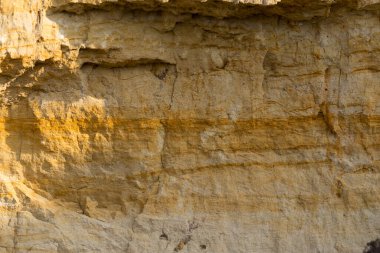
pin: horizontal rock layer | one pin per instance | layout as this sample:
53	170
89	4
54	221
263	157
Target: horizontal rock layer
189	126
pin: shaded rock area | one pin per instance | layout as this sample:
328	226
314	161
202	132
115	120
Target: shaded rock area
372	247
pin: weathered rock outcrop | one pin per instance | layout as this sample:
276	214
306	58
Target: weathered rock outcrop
189	126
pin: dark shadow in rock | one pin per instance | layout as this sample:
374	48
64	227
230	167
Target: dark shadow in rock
164	236
372	247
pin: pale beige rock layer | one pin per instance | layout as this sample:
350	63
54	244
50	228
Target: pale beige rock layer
189	126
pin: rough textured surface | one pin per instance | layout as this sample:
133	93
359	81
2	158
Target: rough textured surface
189	126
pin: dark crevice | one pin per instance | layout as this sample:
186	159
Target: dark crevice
128	63
372	247
164	236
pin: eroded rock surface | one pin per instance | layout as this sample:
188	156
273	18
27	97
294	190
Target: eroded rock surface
189	126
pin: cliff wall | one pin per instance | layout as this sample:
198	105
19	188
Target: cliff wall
189	126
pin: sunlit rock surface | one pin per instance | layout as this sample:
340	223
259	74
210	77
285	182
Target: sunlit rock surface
189	126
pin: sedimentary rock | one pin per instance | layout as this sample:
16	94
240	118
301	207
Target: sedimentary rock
189	126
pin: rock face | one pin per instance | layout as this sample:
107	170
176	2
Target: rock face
189	126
